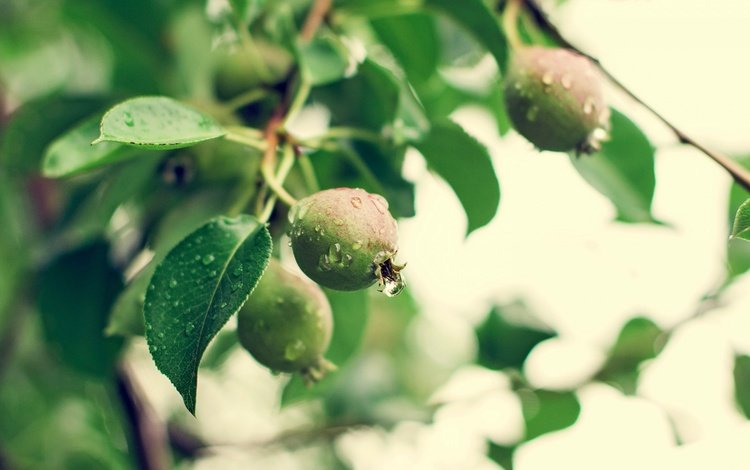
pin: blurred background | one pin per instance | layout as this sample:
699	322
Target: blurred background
554	337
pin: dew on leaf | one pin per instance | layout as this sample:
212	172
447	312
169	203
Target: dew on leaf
208	259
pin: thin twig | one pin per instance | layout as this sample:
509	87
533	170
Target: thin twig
738	173
314	19
149	435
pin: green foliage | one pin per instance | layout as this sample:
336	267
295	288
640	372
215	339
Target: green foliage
74	323
466	165
157	122
203	281
742	383
546	411
504	341
623	171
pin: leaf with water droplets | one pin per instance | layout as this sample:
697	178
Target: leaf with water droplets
465	165
157	122
189	299
623	171
73	153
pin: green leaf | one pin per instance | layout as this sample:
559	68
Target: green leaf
370	99
738	250
623	171
203	281
157	122
637	342
479	20
35	124
547	411
349	320
323	59
73	152
742	383
413	40
741	227
74	295
466	166
503	340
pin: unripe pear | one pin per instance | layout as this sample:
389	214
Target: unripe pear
345	239
554	98
286	324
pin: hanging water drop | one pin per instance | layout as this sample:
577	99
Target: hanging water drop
208	259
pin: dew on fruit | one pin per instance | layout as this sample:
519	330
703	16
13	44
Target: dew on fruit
356	202
324	264
380	204
548	78
566	81
393	287
532	113
356	245
208	259
338	222
348	259
588	105
294	350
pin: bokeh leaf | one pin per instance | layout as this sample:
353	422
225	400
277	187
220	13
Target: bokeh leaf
413	40
742	383
73	152
74	295
546	411
638	341
478	20
203	281
503	341
322	60
157	122
623	171
466	166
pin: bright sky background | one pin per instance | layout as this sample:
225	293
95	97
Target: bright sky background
554	244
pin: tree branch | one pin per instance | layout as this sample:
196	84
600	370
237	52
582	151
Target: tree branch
314	19
149	436
740	174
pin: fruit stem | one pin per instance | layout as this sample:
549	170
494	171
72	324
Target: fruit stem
315	17
287	162
241	136
740	175
510	23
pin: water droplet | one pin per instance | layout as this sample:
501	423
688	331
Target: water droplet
154	348
173	283
129	121
189	328
289	243
208	259
532	113
338	221
356	202
393	286
160	334
347	260
356	245
588	105
279	300
176	303
199	240
566	81
294	350
517	86
548	78
223	305
237	271
379	202
213	273
324	264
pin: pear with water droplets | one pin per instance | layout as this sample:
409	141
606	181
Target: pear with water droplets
286	324
554	98
345	239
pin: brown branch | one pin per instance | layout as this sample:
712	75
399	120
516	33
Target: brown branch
740	174
315	17
149	436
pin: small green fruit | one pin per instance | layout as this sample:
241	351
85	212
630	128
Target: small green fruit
345	239
286	324
554	98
